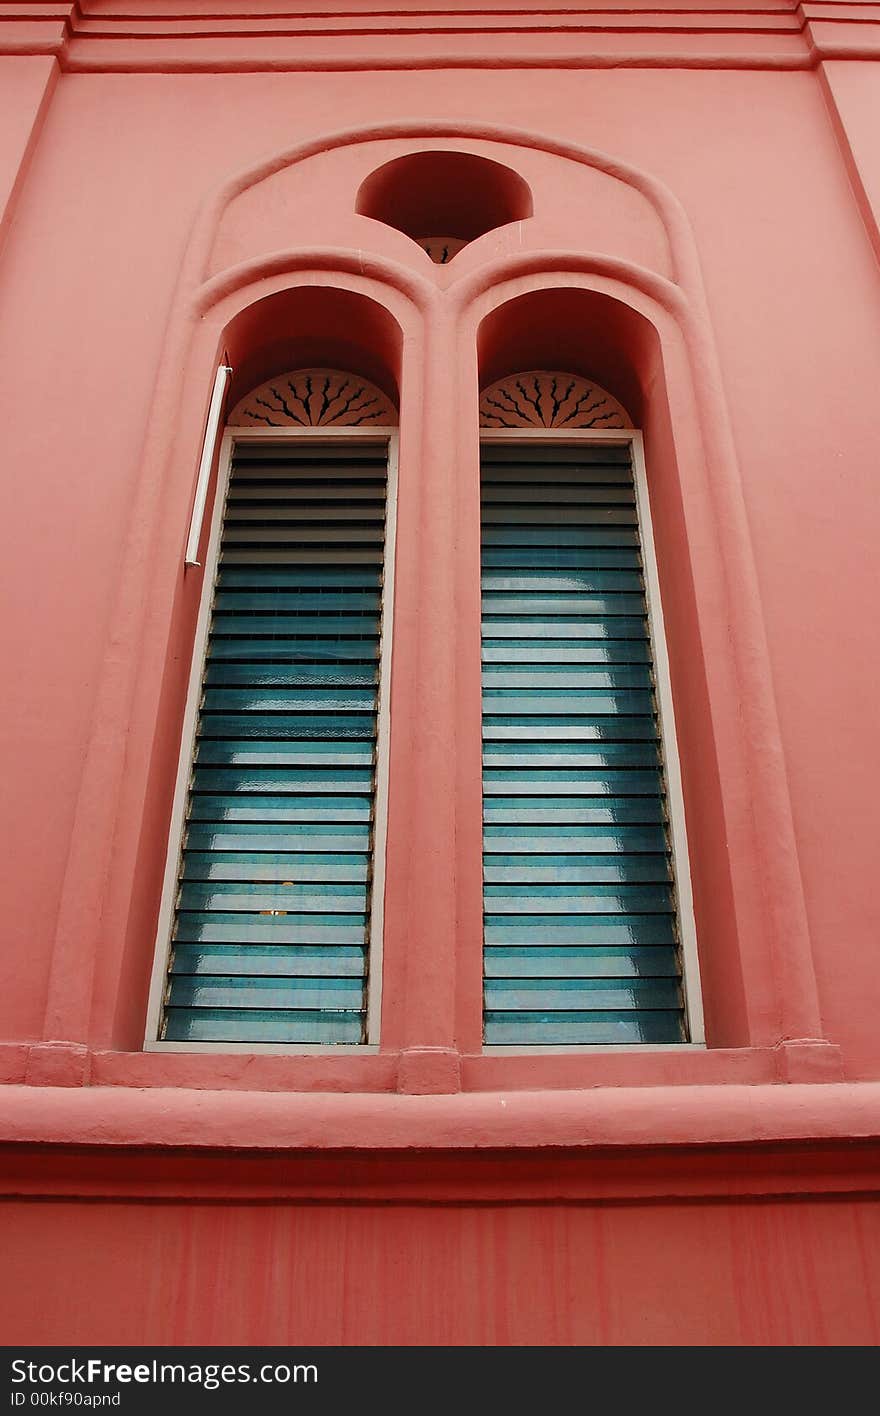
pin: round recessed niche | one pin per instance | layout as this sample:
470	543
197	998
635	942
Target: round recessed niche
456	193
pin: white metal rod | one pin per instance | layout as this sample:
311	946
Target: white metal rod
210	443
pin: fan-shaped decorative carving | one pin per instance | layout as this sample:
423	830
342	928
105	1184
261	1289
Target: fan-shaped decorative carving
315	398
546	398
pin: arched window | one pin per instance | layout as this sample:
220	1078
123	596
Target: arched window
271	925
581	883
587	915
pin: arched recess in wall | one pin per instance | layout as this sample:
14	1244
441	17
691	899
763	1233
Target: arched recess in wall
332	333
443	200
313	327
210	303
608	343
387	174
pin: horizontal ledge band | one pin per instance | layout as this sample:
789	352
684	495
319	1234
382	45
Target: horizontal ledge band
630	1117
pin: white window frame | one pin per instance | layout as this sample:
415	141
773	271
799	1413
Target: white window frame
692	992
233	437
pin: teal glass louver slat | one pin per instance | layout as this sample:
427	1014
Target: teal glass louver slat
581	938
271	926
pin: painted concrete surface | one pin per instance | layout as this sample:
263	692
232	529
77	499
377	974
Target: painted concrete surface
180	186
765	1274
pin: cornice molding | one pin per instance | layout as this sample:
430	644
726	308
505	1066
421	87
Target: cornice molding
280	39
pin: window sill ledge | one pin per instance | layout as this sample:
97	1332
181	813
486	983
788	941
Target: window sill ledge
585	1119
418	1071
594	1143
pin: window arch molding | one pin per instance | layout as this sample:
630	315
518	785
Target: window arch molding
697	501
193	345
405	138
114	783
219	327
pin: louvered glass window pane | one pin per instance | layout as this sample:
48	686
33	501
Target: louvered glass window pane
580	925
271	927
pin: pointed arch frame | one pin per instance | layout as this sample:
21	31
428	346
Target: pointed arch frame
94	902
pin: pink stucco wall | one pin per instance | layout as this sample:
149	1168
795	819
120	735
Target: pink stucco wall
769	1274
714	180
